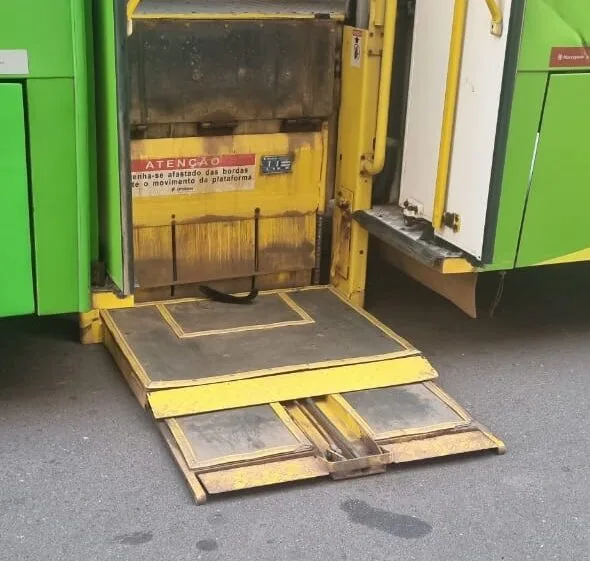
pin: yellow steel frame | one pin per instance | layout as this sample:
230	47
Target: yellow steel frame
245	392
90	322
362	117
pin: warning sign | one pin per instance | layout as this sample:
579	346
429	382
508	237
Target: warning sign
357	48
194	174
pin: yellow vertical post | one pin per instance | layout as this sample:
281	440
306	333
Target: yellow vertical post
449	113
367	59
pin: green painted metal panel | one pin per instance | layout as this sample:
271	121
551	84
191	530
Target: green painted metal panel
16	280
556	217
110	227
62	267
44	29
85	124
552	23
527	105
60	123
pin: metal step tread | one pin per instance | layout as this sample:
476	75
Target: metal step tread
415	239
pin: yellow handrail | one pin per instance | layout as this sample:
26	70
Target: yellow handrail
449	113
450	106
376	164
497	18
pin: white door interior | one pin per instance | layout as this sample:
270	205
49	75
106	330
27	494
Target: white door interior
478	103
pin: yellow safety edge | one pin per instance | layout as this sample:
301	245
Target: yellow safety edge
288	386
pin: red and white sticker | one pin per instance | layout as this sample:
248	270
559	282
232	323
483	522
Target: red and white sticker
193	174
570	57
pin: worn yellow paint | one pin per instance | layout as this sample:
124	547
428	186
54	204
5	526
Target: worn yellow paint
127	370
210	236
131	7
91	329
296	192
214	250
90	322
111	301
577	256
334	408
500	447
449	112
199	493
456	266
356	132
291	385
374	165
312	366
136	368
297	233
416	449
283	415
270	473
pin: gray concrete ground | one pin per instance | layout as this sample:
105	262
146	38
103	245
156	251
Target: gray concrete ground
85	475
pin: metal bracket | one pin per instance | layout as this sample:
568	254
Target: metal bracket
452	220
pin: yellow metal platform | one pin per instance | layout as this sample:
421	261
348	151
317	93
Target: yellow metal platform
297	385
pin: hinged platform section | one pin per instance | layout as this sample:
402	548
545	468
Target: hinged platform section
340	436
297	385
193	356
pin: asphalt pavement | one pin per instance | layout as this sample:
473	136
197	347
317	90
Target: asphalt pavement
84	474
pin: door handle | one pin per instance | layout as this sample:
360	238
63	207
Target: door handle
497	18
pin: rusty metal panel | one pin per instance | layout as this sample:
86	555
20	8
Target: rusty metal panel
186	71
214	250
152	248
287	243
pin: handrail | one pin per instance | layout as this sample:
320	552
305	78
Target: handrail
376	164
497	18
449	112
450	106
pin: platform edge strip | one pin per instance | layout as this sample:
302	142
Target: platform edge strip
285	387
199	493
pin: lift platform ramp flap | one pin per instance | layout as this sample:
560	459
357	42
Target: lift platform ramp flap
299	384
